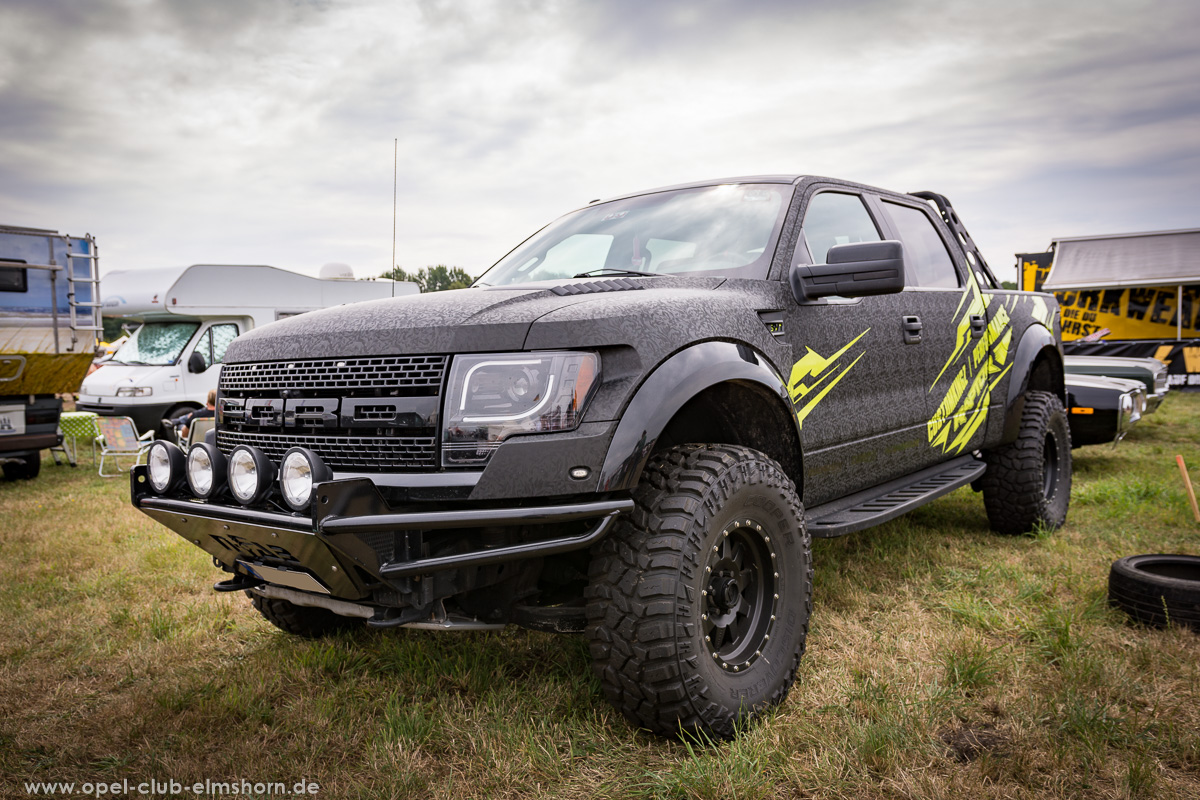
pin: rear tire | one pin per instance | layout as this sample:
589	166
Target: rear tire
306	621
698	602
1028	482
27	470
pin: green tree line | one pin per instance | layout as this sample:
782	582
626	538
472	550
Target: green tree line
433	279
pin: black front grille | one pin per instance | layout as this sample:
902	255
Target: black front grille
406	374
356	453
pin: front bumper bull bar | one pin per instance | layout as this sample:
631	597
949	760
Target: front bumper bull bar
340	539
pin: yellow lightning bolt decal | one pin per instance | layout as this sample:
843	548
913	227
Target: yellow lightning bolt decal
815	366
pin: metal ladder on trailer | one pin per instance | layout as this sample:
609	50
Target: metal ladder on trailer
76	306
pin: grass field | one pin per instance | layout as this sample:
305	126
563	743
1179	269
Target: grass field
944	662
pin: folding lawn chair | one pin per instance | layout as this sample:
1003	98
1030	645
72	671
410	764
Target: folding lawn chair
198	428
117	437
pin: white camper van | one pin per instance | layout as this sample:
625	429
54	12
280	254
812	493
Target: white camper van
189	316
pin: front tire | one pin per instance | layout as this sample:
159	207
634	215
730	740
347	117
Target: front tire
698	602
1028	482
306	621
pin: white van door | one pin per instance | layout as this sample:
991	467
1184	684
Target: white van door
211	345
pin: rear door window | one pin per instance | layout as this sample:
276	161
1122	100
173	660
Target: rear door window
926	261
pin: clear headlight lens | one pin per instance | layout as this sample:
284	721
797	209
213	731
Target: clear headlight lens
135	391
206	470
251	474
494	396
299	472
164	465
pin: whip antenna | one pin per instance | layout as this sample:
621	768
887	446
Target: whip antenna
395	172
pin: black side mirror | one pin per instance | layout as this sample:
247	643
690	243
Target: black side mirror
852	270
196	363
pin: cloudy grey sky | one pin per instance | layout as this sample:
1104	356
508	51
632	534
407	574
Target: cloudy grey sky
240	131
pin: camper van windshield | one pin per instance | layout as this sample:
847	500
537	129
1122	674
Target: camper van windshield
156	343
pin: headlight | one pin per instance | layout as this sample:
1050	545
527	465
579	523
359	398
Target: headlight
251	474
300	470
492	397
206	470
164	464
135	391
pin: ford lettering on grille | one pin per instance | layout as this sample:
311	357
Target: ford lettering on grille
358	414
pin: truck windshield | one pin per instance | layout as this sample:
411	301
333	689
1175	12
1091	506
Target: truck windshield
727	230
156	343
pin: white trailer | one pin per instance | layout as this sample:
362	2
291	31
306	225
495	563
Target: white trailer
188	317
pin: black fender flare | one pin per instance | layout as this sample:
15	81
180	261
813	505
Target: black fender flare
1036	340
672	384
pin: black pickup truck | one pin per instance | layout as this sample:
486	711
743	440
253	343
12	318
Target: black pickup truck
631	426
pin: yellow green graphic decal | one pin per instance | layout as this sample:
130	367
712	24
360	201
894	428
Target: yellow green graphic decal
964	407
814	375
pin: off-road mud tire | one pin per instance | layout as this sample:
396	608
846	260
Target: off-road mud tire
27	470
699	506
306	621
1028	482
1157	589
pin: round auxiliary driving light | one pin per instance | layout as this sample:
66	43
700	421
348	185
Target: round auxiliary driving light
251	474
206	470
164	465
301	470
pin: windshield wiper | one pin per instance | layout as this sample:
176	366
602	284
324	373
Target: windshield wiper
591	273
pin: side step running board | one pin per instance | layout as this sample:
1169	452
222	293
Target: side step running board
888	501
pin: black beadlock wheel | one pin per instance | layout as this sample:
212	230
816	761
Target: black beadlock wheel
306	621
1028	482
1158	589
698	602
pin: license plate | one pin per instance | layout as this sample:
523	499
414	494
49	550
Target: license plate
12	420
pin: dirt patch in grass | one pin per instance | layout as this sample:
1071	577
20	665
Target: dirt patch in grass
967	742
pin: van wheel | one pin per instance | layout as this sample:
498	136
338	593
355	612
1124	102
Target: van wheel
698	602
1028	482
